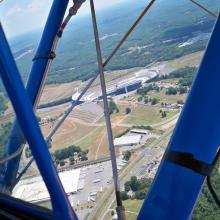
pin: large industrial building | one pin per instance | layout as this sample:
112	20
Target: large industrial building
34	189
127	140
121	86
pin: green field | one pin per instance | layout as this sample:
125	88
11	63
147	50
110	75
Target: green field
146	115
140	115
132	208
171	99
188	60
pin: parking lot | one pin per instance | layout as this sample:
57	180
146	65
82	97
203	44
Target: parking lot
93	179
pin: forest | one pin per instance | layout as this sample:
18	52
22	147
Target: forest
157	38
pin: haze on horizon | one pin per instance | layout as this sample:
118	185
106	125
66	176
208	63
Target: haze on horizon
29	15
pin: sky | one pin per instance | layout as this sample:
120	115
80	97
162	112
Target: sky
18	17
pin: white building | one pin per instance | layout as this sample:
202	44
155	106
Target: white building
127	140
34	190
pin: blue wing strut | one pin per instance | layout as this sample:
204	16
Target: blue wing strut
176	188
29	125
34	88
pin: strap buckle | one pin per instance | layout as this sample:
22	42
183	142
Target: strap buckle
187	160
46	56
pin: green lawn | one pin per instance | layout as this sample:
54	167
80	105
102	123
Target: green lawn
187	60
140	115
167	98
132	208
85	141
133	205
146	115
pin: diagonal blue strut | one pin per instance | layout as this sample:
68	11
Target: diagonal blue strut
175	188
34	88
29	125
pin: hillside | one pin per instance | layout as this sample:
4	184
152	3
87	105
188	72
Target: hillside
170	30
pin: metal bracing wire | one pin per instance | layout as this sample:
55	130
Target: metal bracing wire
75	103
13	155
28	123
204	8
120	209
72	11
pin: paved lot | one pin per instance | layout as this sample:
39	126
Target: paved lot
93	179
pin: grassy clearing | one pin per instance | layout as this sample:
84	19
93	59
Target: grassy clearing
88	138
146	115
133	205
167	98
67	135
54	92
143	115
132	208
97	141
140	115
188	60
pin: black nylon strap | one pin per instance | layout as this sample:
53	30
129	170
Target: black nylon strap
187	160
47	56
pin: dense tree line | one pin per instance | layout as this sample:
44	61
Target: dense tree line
154	101
4	132
139	188
73	153
163	113
66	152
54	103
127	110
173	91
113	108
146	89
127	155
185	75
3	103
206	208
145	127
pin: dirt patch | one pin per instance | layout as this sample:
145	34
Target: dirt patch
58	91
98	148
67	134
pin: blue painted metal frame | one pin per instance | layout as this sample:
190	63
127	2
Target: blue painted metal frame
24	208
29	125
175	189
34	87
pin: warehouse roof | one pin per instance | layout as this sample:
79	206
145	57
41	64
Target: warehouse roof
127	140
